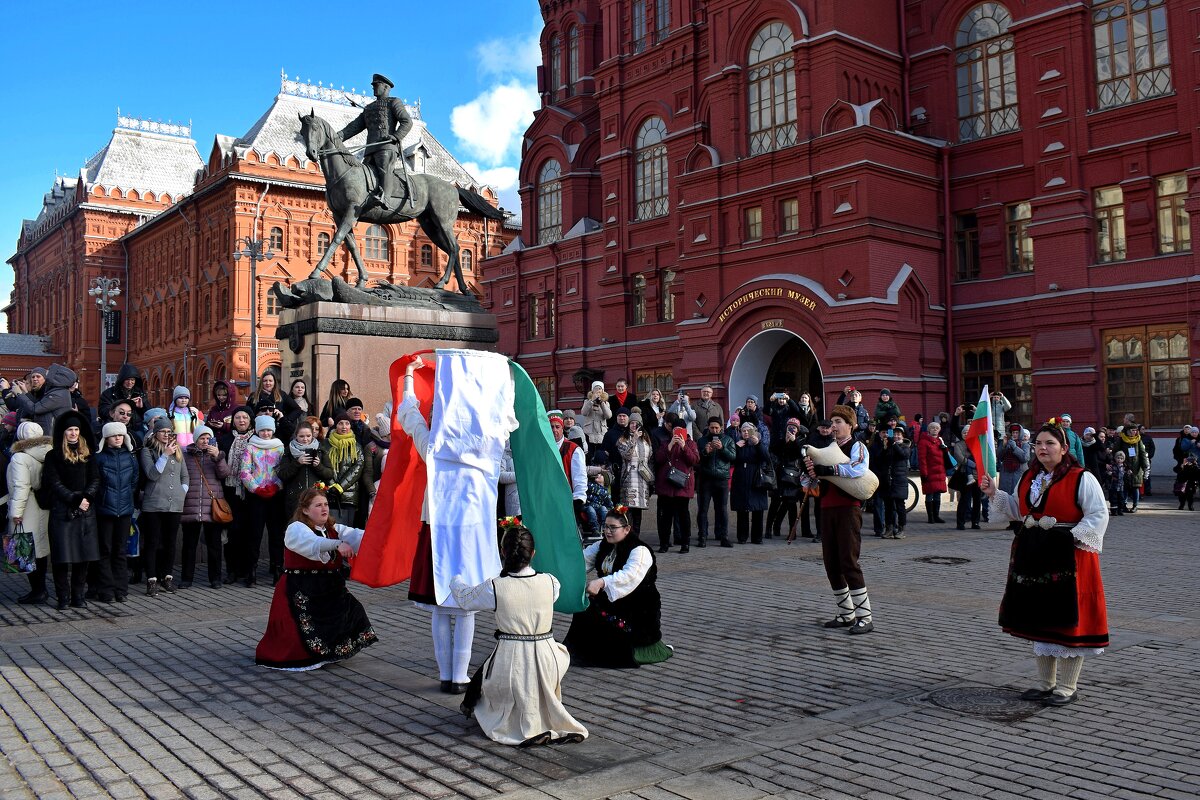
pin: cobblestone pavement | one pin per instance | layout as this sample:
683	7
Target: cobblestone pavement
159	697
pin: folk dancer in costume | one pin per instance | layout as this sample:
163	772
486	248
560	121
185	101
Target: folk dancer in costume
314	621
622	625
386	122
841	526
516	694
1054	596
573	463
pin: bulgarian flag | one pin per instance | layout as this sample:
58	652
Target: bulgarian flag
981	437
389	544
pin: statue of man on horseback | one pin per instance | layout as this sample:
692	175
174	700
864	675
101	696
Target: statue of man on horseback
386	122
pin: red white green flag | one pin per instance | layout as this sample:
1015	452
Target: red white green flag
981	437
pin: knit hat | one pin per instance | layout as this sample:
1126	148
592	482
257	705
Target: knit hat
10	419
882	392
753	397
161	424
1088	430
113	429
201	430
354	402
554	414
1064	415
264	421
39	371
597	385
846	413
249	411
181	391
153	414
29	430
711	420
792	421
576	432
341	415
624	410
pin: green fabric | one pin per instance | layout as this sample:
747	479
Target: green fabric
546	505
652	653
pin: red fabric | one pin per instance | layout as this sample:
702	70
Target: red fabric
389	544
567	449
280	645
932	463
1062	503
420	585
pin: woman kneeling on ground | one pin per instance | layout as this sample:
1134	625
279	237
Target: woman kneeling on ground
516	694
621	626
314	621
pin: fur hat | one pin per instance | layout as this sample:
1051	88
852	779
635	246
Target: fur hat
264	421
597	385
113	429
846	413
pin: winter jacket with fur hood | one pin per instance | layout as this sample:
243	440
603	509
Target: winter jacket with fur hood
25	476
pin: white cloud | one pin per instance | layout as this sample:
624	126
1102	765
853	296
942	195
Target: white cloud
499	178
490	127
513	56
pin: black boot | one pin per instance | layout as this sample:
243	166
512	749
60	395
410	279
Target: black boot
64	602
37	584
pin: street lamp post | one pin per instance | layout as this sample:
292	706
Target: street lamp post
104	290
256	250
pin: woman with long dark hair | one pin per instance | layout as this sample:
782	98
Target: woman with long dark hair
516	694
314	620
1054	596
339	393
621	626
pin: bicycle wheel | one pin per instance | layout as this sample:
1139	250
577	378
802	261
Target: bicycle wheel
914	493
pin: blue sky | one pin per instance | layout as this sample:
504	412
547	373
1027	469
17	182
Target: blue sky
68	66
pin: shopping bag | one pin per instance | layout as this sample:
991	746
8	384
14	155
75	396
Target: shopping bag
133	546
18	551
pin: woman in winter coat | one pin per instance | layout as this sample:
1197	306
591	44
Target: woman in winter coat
339	393
120	474
259	475
679	453
595	414
270	400
233	444
786	497
654	408
303	465
345	457
637	455
751	412
746	499
208	470
24	478
167	482
220	416
71	478
931	458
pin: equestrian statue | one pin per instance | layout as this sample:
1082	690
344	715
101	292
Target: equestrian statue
381	190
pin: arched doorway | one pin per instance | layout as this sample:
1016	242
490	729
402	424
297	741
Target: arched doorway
775	360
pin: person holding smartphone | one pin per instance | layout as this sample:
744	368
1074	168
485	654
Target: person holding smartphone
303	466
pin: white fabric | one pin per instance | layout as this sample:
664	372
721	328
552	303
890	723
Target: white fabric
844	606
483	596
453	635
861	603
859	462
1088	532
626	579
304	541
472	419
1060	651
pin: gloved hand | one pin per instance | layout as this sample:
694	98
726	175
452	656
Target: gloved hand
579	515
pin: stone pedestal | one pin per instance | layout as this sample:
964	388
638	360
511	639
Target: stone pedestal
322	342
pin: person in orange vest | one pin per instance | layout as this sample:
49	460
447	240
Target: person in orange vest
573	462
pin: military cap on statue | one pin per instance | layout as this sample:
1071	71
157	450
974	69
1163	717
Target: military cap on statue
377	78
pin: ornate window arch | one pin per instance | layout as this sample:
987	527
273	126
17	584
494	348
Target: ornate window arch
276	239
556	80
650	171
572	59
322	243
549	195
985	73
376	242
771	89
468	261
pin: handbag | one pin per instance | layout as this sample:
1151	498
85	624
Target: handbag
765	477
789	476
18	551
219	508
133	545
677	477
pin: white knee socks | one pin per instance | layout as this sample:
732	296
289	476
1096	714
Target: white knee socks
452	643
1047	667
1068	675
862	604
845	609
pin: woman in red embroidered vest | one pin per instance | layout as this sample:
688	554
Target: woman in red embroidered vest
1054	596
314	620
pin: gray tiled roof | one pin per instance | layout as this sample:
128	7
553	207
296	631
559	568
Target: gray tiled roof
60	193
145	161
278	132
24	344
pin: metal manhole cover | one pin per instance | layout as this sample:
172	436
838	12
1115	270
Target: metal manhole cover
949	561
984	701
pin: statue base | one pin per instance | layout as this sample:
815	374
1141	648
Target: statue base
324	341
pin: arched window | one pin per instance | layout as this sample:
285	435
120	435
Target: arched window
549	203
468	260
986	73
322	244
555	66
572	59
650	178
771	89
377	243
1132	58
426	256
276	241
637	25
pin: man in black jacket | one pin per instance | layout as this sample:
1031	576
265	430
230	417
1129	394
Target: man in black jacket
717	454
128	387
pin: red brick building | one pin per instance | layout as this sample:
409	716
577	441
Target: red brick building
168	222
927	196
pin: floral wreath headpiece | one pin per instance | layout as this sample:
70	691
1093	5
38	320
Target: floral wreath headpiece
621	509
511	523
320	485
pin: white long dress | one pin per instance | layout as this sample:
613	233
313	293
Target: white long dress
522	678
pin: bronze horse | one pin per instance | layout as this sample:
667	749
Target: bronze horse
434	204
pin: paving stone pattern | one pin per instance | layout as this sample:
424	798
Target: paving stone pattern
160	698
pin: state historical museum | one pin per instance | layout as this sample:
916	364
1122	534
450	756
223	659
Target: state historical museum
923	196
